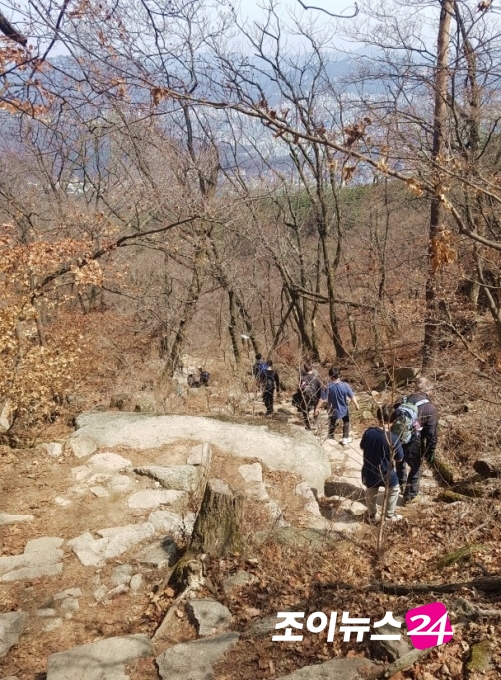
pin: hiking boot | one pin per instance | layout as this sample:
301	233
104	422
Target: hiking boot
394	518
371	519
409	499
346	440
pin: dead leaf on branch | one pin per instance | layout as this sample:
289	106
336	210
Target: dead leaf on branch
442	250
414	187
348	171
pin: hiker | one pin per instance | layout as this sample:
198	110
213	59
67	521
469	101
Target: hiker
308	394
338	395
416	425
270	382
203	377
259	369
378	443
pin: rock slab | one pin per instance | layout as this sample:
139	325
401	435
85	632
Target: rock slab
337	669
11	626
210	616
192	660
102	660
180	477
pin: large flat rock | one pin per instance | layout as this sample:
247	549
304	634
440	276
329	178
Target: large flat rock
102	660
193	660
11	626
300	454
337	669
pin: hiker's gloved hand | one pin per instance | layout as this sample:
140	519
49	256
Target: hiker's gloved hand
430	456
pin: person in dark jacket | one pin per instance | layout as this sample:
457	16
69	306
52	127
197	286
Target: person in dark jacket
423	444
308	395
381	447
270	383
259	369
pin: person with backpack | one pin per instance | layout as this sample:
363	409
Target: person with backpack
308	394
381	447
338	395
270	382
259	369
204	377
415	422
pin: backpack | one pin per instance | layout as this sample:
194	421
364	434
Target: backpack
260	372
268	382
406	425
308	388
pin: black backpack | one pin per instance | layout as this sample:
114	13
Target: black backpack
268	382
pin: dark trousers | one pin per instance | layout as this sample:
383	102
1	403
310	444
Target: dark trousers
268	401
305	409
409	480
346	426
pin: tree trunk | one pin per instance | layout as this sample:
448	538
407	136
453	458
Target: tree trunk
218	527
432	320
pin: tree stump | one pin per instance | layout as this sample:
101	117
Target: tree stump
488	467
218	526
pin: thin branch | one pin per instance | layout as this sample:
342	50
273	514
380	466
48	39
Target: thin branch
331	14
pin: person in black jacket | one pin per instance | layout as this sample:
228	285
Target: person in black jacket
308	394
423	444
270	382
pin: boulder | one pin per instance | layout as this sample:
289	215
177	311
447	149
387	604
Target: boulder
113	542
181	477
390	650
42	544
161	554
300	454
31	565
144	402
13	519
238	580
136	582
171	523
193	660
102	660
210	616
121	401
356	668
109	461
121	574
200	455
82	446
11	626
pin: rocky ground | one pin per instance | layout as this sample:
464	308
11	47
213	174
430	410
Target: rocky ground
92	526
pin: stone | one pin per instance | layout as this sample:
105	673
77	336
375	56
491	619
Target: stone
13	519
303	489
241	578
300	454
7	413
52	624
118	590
193	660
113	542
144	402
390	650
109	461
210	616
153	498
256	491
11	566
200	455
119	483
70	604
82	446
121	574
161	554
69	592
101	660
99	491
42	544
251	473
11	627
63	502
136	582
262	628
345	669
81	472
180	477
52	449
353	508
46	612
32	573
100	593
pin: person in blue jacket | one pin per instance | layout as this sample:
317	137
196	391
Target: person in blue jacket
381	448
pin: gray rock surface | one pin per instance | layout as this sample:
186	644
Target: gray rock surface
336	669
119	483
52	449
109	461
300	454
241	578
11	627
180	477
193	660
390	649
154	498
251	473
210	617
160	554
43	543
121	574
31	565
99	491
102	660
5	518
69	592
200	455
136	582
82	447
172	524
113	542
